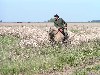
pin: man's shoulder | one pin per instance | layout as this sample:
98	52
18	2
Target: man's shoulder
60	19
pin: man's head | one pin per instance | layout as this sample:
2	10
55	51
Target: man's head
56	16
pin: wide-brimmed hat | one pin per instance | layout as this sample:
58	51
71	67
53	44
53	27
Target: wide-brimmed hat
56	15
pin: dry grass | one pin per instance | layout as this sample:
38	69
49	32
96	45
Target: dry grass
34	34
24	50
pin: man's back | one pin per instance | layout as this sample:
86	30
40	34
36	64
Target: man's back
59	23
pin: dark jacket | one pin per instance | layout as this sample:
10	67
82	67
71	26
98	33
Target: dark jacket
60	23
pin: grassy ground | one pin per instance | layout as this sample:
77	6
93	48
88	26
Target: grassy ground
83	59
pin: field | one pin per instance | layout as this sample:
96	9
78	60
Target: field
25	50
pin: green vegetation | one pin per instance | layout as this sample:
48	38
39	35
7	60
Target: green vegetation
51	20
75	30
15	60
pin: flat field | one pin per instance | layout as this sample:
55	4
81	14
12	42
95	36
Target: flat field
24	50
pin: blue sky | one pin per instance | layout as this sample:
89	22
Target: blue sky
42	10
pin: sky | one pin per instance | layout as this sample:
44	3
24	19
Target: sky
43	10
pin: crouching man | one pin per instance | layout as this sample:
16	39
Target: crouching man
61	25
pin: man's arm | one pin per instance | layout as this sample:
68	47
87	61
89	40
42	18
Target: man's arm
65	24
55	25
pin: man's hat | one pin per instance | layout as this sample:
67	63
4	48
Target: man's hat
56	15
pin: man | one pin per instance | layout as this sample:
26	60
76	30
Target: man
61	25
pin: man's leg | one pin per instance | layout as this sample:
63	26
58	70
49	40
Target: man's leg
66	34
63	34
